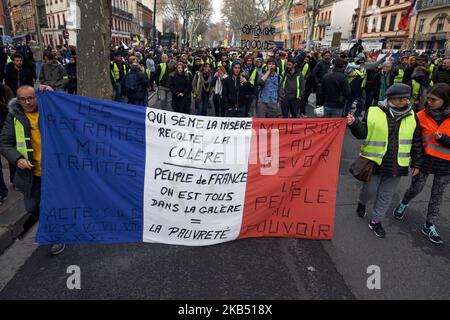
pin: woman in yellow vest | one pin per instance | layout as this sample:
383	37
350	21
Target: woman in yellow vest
393	142
435	124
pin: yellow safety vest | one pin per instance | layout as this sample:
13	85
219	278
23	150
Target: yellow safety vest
283	68
362	75
9	60
163	70
21	139
376	144
298	86
305	69
431	68
416	90
252	79
399	77
116	72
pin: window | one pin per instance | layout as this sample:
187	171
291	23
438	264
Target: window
383	23
379	3
370	3
366	25
392	23
440	25
374	25
387	3
421	25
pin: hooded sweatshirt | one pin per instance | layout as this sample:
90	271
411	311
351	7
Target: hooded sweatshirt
54	75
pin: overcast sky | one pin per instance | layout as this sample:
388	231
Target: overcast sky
217	4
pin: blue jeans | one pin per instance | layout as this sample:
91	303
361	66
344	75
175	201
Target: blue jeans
202	106
118	91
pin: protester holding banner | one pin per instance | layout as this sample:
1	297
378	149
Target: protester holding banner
435	124
393	142
252	75
21	144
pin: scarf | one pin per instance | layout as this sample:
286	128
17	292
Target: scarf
399	113
436	114
383	87
219	85
207	82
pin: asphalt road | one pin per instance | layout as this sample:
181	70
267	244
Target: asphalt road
276	269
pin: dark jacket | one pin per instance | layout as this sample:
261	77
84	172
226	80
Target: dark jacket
376	84
6	95
389	165
441	75
165	79
14	78
288	85
180	83
334	86
234	93
321	69
71	70
142	84
23	179
434	165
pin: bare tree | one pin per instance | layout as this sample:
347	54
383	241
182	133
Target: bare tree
193	22
198	23
238	13
312	12
270	9
93	49
287	7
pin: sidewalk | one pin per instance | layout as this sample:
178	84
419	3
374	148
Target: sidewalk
12	213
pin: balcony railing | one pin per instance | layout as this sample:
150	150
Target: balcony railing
324	23
122	13
428	4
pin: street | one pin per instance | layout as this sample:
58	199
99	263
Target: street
267	269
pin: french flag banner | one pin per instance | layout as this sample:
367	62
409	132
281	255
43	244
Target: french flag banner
115	173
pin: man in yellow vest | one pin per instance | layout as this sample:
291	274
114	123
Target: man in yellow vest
162	81
393	142
21	144
291	91
118	72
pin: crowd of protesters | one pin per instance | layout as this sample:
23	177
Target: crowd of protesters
397	102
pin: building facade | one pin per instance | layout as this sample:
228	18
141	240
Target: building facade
378	21
57	12
431	28
23	19
122	19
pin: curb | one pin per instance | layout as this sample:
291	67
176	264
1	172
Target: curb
12	218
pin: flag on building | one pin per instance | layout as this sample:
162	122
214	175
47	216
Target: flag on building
113	172
404	21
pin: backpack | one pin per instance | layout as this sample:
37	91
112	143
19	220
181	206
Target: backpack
131	83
